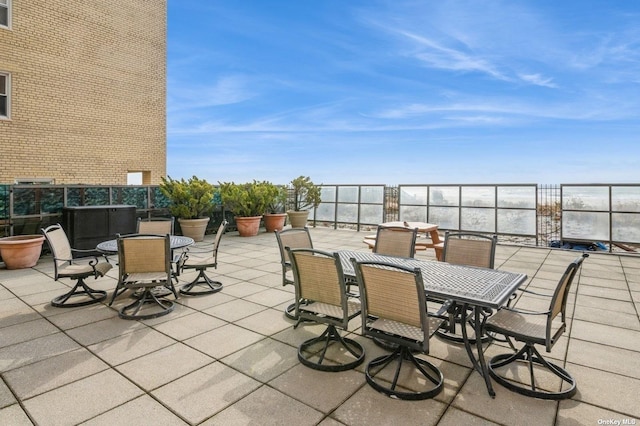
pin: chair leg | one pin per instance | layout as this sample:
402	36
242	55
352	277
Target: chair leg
449	333
290	310
146	297
202	280
529	354
427	370
308	351
80	289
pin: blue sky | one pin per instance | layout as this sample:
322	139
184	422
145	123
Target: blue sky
401	92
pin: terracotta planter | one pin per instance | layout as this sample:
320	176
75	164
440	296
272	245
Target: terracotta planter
21	251
248	226
194	228
274	221
298	219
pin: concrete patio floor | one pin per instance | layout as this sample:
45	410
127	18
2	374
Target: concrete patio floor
231	357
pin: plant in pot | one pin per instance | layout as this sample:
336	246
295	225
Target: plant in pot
275	216
306	194
191	202
248	201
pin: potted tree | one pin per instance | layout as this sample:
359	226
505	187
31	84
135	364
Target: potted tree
306	194
191	202
248	201
275	216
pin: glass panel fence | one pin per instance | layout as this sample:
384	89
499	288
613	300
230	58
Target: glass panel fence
478	196
477	220
585	225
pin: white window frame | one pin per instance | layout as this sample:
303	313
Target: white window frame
6	95
8	7
34	181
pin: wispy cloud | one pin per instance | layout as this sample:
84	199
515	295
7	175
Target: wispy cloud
223	91
538	80
435	55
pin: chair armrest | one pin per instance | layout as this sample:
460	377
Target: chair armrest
199	249
74	250
513	295
178	260
524	290
524	311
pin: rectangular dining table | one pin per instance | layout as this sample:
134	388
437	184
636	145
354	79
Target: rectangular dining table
481	289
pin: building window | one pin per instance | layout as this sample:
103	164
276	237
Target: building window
5	88
5	13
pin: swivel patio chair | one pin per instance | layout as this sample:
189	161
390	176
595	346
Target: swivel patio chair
203	283
292	238
469	249
161	226
144	263
321	297
65	266
393	241
156	225
393	310
534	328
162	287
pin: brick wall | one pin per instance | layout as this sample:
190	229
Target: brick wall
88	91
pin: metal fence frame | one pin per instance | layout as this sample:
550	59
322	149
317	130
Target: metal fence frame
26	208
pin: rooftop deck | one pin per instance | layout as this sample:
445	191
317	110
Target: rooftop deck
230	357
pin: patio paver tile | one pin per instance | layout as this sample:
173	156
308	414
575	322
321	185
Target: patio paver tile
205	392
82	400
266	406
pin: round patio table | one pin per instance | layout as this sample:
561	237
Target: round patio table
175	241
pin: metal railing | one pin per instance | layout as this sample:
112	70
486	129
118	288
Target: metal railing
531	214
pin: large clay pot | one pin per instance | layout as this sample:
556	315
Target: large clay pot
248	226
274	221
194	228
298	219
21	251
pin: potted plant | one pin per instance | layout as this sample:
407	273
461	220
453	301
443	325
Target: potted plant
21	251
306	194
191	202
248	201
275	216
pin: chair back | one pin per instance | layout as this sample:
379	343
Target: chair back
156	225
293	238
394	297
559	300
59	245
221	229
470	249
395	241
318	277
142	253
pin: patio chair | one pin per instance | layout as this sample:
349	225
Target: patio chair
161	226
144	263
395	241
469	249
156	225
321	297
202	282
162	289
534	328
65	266
293	238
393	310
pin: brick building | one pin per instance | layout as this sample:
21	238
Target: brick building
82	90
